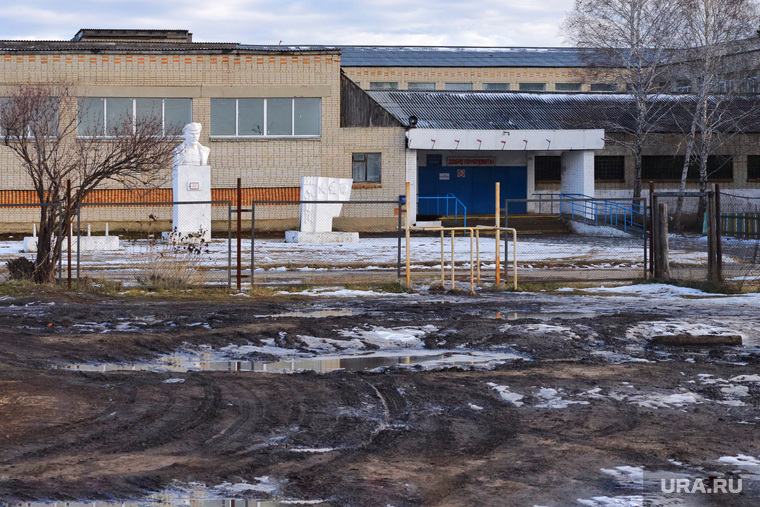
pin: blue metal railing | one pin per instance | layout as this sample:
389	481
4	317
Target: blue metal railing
623	215
443	205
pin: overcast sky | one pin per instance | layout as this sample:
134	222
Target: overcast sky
363	22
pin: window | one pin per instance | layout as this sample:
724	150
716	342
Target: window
280	117
496	87
567	87
459	87
422	86
548	168
37	118
383	85
609	168
532	87
100	116
603	87
669	168
753	167
367	167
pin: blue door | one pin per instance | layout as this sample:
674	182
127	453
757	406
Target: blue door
474	186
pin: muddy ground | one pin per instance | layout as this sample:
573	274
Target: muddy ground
590	394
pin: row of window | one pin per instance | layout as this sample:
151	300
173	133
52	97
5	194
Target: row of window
653	167
606	168
499	87
269	117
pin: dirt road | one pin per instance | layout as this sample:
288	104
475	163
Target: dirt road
583	406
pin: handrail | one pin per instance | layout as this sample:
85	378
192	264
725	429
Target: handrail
474	233
448	197
620	213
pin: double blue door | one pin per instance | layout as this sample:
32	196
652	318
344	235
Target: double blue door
474	186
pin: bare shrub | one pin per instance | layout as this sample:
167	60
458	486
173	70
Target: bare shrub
20	268
173	263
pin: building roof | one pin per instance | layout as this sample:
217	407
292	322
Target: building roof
151	46
460	56
551	111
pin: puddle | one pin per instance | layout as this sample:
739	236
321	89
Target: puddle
224	495
317	314
535	315
180	363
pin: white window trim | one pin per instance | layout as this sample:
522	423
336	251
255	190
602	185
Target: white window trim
105	135
292	134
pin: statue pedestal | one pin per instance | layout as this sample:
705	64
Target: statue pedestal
321	237
191	183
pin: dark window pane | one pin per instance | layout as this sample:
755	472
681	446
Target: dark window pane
532	87
374	166
118	116
548	168
496	87
307	117
177	114
421	86
250	117
609	168
753	167
91	122
223	117
567	87
279	117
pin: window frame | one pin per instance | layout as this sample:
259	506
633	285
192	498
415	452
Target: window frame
673	165
576	87
524	87
421	86
458	87
380	85
133	114
599	159
265	125
549	164
498	87
366	155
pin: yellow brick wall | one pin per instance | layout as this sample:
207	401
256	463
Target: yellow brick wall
259	162
476	75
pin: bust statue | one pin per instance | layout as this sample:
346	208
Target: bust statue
191	152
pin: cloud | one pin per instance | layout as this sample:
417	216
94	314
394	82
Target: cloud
339	22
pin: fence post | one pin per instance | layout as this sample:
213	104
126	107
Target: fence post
398	234
253	241
408	238
497	220
68	232
662	266
239	235
651	227
718	237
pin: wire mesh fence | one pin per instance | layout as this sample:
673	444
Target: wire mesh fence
323	242
19	236
740	232
574	238
137	243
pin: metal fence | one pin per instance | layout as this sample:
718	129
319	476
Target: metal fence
18	235
740	240
579	239
345	242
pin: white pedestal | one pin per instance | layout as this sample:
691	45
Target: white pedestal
88	243
321	237
192	183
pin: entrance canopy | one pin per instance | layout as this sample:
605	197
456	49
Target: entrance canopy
504	140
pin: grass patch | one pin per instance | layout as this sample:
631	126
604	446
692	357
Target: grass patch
394	287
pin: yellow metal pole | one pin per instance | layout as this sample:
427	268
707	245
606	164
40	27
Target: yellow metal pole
453	283
408	239
514	257
443	260
477	246
497	220
472	262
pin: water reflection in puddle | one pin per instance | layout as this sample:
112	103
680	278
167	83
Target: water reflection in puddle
318	314
322	364
534	315
174	499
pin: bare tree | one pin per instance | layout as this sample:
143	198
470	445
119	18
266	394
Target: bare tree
712	68
42	126
632	41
